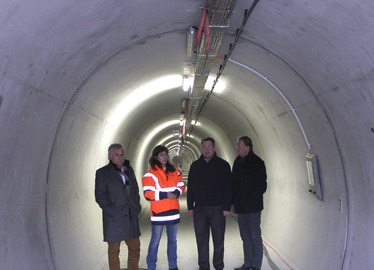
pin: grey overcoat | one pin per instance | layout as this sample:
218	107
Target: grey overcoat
115	202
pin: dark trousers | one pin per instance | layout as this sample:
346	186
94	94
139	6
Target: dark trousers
208	219
250	232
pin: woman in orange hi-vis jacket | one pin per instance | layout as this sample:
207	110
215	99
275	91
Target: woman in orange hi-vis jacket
162	186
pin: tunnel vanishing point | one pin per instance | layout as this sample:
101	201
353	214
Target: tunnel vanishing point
295	76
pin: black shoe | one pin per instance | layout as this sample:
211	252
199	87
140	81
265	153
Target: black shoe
243	267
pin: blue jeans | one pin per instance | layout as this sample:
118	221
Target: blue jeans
250	232
171	231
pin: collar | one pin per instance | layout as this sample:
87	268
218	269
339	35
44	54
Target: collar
247	156
125	165
208	160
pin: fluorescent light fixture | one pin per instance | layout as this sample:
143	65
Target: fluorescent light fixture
191	36
187	82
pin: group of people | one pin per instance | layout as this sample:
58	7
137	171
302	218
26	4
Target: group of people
214	191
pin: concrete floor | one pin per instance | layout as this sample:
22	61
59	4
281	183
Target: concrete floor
187	251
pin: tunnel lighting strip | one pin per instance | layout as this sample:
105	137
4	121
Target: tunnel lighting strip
281	94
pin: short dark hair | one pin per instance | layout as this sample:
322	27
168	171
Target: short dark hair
246	140
114	146
153	159
208	139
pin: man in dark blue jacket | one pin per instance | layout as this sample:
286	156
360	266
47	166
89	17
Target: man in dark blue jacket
249	180
209	197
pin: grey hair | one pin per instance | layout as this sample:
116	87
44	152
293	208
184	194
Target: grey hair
114	146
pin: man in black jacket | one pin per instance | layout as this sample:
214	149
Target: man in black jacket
249	179
209	197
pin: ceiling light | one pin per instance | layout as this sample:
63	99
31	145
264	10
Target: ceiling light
187	82
191	36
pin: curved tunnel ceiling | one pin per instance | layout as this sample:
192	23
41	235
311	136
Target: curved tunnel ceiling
77	76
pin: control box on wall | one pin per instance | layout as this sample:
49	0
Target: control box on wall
313	175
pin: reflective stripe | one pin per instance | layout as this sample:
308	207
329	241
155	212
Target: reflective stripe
166	218
157	189
154	178
168	189
180	184
152	188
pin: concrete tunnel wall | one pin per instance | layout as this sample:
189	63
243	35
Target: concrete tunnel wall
65	97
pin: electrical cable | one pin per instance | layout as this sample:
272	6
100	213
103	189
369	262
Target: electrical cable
239	31
278	255
281	94
272	264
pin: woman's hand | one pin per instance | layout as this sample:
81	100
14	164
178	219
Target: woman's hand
171	195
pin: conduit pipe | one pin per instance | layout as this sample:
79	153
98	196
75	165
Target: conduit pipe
281	94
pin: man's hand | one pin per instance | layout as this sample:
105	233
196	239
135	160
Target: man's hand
226	213
190	212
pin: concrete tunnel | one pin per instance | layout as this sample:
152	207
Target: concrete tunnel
76	76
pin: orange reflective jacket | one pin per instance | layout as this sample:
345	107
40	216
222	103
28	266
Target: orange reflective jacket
156	185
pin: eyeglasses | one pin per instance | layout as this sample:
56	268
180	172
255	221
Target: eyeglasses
207	147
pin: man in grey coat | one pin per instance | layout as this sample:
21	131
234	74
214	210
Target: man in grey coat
117	193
